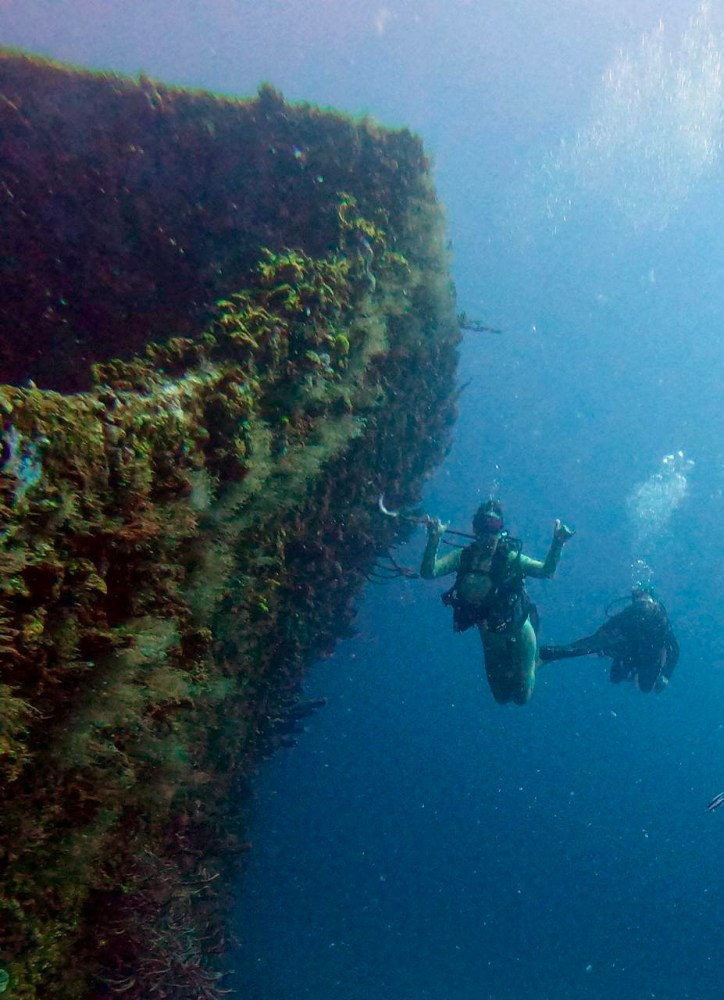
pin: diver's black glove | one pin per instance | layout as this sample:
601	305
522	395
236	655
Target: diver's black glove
561	532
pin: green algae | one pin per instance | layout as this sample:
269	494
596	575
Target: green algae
191	533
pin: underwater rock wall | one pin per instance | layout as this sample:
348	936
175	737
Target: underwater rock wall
128	208
186	525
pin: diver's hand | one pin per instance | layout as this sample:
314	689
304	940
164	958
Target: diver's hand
661	684
561	532
435	527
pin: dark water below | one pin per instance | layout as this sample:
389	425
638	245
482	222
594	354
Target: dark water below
422	841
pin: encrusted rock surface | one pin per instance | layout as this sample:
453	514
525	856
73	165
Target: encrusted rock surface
226	327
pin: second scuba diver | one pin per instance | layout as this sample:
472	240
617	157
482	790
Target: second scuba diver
489	591
639	640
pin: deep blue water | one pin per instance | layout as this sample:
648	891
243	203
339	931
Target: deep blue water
422	841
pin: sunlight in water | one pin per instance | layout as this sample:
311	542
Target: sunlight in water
655	127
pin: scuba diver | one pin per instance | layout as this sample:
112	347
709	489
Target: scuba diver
639	640
489	591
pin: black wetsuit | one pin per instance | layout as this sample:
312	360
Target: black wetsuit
639	640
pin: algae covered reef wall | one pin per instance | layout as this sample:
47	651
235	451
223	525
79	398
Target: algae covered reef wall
127	209
226	328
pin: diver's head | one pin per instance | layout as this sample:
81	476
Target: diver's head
488	519
643	594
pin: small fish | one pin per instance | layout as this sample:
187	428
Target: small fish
717	801
475	325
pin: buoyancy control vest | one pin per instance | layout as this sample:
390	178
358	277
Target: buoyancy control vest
506	605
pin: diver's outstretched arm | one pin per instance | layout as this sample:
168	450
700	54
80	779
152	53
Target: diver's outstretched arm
545	570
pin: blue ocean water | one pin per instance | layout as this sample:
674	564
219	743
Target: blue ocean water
422	841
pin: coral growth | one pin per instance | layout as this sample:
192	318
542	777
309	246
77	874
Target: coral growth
181	539
128	209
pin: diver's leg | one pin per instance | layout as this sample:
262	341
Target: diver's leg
497	666
648	671
581	647
523	648
620	671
